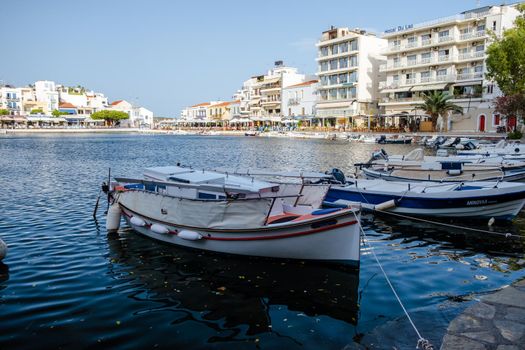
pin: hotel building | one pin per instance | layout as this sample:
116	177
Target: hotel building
446	54
348	70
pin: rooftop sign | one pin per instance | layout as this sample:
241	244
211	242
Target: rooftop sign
399	28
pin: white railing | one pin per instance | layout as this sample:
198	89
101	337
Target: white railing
468	76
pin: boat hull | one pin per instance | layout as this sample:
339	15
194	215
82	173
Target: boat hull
502	206
433	176
333	238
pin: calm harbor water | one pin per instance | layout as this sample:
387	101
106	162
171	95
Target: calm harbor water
66	283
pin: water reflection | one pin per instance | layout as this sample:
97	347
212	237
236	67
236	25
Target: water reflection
229	292
4	275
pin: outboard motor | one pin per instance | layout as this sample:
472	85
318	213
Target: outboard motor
338	176
378	155
381	139
469	146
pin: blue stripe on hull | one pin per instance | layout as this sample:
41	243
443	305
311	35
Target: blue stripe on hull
413	202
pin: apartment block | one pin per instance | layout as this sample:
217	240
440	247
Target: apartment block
348	70
445	54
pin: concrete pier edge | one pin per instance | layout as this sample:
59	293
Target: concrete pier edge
496	322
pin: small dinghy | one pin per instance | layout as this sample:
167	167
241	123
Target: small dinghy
478	200
225	213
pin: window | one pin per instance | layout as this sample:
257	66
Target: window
425	38
333	64
396	42
480	48
490	89
411	60
425	57
333	79
444	33
411	41
343	62
425	76
441	72
324	66
395	78
494	25
465	30
343	78
443	53
323	94
353	77
496	120
333	94
324	80
352	92
481	28
324	51
478	69
335	49
343	47
343	94
353	61
353	45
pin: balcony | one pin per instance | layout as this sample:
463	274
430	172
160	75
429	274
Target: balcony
401	99
472	35
471	55
445	39
470	76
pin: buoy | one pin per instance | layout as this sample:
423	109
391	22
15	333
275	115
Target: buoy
189	235
113	218
385	205
136	221
3	249
159	229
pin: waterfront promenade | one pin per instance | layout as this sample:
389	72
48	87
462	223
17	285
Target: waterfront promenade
497	322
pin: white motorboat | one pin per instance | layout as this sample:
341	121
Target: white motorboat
417	167
473	200
233	214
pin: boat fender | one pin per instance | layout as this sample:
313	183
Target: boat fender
517	150
113	218
385	205
136	221
160	229
3	249
454	172
189	235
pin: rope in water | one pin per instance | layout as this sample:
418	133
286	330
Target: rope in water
422	343
506	234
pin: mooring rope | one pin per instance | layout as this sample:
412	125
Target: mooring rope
504	234
422	343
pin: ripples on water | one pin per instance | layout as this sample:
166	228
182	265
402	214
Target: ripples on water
65	283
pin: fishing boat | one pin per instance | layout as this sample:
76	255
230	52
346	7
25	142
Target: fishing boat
234	214
415	166
251	133
472	200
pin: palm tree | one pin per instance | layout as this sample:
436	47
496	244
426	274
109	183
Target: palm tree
437	104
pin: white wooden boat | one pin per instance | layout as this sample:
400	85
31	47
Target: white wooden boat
499	200
235	214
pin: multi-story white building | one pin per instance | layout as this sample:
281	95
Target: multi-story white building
446	54
268	90
348	71
141	117
45	91
11	99
299	99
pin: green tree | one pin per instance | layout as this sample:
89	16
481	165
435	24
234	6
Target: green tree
437	104
57	113
37	111
506	57
109	116
4	112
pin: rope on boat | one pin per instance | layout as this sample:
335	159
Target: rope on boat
422	343
504	234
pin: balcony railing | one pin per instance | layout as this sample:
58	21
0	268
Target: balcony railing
468	76
444	39
472	35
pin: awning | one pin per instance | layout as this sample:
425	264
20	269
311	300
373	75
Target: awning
429	87
403	89
270	80
468	83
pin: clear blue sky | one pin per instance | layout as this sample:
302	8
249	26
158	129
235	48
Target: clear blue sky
168	54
